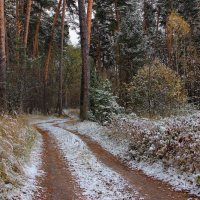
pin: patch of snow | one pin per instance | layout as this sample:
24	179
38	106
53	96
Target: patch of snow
73	113
170	175
101	134
49	120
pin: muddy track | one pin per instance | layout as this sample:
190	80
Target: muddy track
58	182
150	188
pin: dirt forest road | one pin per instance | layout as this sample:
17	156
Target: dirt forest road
60	183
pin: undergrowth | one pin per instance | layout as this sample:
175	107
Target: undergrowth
16	140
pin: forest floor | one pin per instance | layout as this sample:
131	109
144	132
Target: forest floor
77	167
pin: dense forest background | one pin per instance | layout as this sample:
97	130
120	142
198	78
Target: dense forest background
143	56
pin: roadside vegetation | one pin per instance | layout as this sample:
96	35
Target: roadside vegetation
173	142
16	141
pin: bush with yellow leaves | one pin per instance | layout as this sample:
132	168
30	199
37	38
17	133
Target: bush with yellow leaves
156	90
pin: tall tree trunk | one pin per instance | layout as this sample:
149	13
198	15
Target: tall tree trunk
21	5
84	98
157	20
6	45
17	18
89	19
47	61
35	51
156	45
26	29
25	41
117	13
145	17
35	40
17	31
118	67
21	13
2	58
98	57
61	60
169	42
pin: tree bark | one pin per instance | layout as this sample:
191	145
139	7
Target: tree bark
118	74
21	5
25	41
61	60
26	29
169	42
98	56
35	41
117	13
145	17
6	45
2	59
89	19
17	32
156	45
84	98
47	61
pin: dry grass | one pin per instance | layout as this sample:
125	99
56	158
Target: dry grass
16	140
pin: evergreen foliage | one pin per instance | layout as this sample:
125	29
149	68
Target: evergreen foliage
126	35
102	102
131	42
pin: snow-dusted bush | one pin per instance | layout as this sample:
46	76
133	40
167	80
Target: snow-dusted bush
102	102
16	140
155	90
173	141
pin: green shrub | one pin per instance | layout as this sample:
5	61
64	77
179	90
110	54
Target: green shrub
102	102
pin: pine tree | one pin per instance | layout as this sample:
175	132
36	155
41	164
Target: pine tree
106	26
61	60
89	17
2	58
131	42
84	98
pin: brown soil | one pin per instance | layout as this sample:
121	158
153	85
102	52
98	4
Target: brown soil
150	188
58	182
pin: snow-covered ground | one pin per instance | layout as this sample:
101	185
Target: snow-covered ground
28	181
97	180
49	120
119	142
